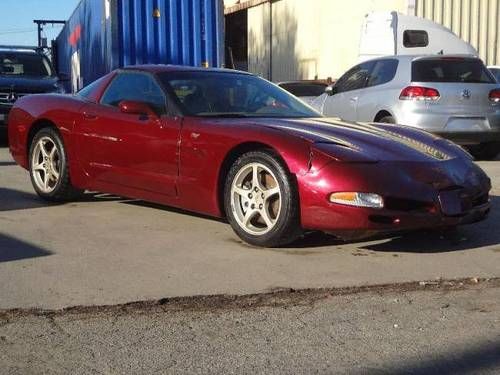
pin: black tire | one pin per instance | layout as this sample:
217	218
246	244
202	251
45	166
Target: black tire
287	223
485	151
63	190
387	120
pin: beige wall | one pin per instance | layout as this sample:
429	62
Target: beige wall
475	21
311	38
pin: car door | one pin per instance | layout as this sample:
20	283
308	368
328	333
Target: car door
343	103
130	150
377	92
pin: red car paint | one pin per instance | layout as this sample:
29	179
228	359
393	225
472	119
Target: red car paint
181	161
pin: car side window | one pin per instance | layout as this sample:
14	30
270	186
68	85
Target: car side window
383	71
135	86
355	78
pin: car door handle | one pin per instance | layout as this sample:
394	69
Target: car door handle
354	99
89	116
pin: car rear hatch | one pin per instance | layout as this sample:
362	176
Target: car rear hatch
460	87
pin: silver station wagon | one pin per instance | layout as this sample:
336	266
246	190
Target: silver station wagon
455	97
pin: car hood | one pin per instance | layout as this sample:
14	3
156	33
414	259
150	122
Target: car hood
368	142
28	84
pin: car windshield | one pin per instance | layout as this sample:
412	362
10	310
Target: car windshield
221	94
451	69
24	64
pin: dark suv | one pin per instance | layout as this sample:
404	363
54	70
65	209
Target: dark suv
24	71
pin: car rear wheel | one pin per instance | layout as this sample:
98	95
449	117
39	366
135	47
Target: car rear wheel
387	120
261	200
49	169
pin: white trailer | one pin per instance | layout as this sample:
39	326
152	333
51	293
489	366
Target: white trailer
392	33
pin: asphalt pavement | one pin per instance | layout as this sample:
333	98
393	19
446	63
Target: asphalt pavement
444	329
107	250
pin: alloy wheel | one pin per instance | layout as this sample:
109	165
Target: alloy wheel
256	198
46	164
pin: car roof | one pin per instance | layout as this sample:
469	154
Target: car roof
20	49
160	68
422	57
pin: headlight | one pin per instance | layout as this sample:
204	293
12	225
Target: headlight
371	200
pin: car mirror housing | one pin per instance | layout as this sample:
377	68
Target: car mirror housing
137	108
330	90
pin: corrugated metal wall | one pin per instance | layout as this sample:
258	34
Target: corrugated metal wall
102	35
309	39
475	21
184	32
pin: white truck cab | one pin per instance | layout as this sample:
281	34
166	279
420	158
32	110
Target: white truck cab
392	33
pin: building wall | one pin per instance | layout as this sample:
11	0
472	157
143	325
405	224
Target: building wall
310	39
475	21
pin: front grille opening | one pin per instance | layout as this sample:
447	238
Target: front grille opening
408	205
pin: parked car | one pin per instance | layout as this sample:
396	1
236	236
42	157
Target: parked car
392	33
304	90
23	71
230	144
455	97
495	70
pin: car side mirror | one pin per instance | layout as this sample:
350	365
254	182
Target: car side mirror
330	90
137	108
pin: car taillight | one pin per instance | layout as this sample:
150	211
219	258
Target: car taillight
495	96
419	93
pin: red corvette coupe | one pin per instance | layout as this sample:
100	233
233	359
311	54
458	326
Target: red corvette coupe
227	143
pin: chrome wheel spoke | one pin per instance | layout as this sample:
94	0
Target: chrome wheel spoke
43	150
255	176
55	174
53	152
269	193
39	167
264	214
241	191
249	215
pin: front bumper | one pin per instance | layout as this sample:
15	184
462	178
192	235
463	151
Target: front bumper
418	195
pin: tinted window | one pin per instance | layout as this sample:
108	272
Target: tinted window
383	72
496	73
355	78
24	64
212	94
135	86
450	69
304	89
415	38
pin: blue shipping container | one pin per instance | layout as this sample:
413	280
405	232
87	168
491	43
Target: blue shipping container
102	35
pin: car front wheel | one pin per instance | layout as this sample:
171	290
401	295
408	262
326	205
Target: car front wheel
261	200
49	168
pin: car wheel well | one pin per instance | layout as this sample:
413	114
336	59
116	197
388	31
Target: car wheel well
230	158
382	114
35	128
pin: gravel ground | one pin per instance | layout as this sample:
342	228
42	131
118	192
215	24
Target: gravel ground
448	328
